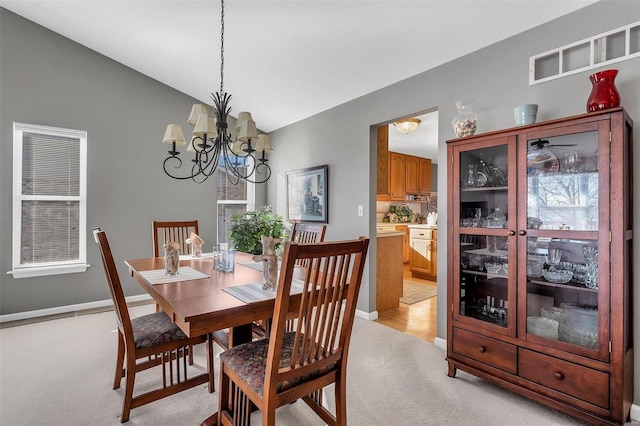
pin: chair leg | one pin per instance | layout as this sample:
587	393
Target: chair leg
210	366
341	401
130	376
119	362
223	397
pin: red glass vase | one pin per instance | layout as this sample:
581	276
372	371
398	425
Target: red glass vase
604	94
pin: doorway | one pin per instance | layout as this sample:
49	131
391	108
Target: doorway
419	318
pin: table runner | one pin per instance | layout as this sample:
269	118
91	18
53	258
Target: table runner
192	257
254	293
185	273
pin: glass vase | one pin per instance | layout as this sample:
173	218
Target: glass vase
604	94
465	121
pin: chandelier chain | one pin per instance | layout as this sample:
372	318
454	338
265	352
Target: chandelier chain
222	47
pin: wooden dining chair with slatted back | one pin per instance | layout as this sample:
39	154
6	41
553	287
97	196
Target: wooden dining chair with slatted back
301	233
176	232
288	366
154	340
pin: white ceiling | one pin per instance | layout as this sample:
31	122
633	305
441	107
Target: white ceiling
287	60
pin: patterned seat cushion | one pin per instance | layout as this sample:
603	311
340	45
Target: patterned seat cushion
154	329
249	361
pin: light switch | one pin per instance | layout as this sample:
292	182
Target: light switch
360	210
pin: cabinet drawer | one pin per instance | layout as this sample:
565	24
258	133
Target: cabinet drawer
575	380
421	234
485	349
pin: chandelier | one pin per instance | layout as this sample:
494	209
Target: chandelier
407	125
211	143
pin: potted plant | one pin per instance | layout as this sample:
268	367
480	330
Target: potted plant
247	229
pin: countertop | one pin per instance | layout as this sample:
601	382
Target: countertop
409	224
390	234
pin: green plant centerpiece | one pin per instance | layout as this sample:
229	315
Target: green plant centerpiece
247	229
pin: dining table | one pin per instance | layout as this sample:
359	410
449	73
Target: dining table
203	301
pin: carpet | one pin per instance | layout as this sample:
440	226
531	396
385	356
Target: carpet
414	292
393	378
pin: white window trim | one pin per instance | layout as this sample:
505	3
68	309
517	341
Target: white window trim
48	268
593	47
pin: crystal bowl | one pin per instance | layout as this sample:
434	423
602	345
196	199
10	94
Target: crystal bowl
558	277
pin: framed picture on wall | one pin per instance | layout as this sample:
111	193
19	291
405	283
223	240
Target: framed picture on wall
308	195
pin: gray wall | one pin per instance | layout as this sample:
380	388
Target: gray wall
47	79
497	77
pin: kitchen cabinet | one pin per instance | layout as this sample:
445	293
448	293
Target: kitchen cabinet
423	261
405	242
398	174
418	175
404	229
388	270
539	281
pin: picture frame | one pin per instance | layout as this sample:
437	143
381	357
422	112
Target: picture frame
308	195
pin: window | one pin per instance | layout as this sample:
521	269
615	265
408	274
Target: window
232	199
49	200
613	46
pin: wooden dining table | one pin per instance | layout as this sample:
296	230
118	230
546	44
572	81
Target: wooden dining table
202	306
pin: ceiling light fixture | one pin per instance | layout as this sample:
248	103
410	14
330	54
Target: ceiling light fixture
407	125
211	143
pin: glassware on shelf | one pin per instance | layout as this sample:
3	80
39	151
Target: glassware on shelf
570	161
591	257
465	122
471	180
496	219
555	254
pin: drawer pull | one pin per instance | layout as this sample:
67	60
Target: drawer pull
558	375
482	349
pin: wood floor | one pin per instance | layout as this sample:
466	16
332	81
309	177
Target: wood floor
418	319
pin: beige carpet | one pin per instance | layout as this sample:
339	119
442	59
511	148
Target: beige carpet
414	292
60	372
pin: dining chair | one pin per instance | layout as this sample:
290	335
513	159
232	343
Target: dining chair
176	232
154	337
308	232
287	366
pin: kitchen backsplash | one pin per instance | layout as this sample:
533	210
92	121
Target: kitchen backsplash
382	207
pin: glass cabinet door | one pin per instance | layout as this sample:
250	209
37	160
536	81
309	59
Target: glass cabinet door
483	293
564	240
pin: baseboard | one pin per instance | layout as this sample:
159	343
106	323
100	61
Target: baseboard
440	343
68	309
369	316
635	412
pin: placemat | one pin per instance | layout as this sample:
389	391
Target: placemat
258	266
185	273
254	293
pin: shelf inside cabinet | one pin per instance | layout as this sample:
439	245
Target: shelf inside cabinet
569	286
486	188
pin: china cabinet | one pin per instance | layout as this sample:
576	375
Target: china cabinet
539	282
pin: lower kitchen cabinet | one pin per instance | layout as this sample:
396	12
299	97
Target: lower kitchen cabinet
423	256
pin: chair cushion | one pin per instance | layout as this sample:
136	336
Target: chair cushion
155	329
249	361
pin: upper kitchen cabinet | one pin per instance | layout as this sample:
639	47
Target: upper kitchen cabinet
400	177
418	175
